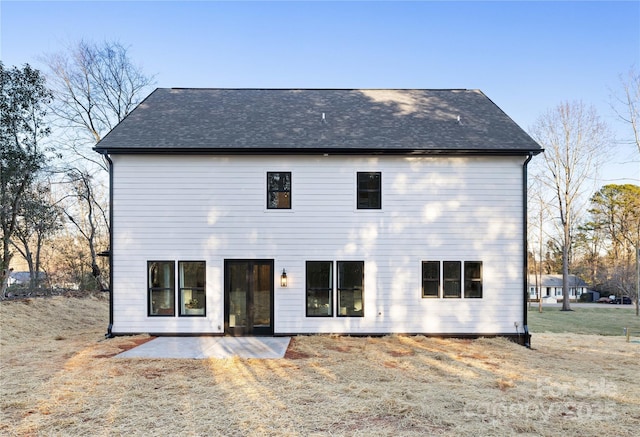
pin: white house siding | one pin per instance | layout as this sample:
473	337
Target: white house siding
213	208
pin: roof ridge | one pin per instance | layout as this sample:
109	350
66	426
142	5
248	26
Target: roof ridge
313	89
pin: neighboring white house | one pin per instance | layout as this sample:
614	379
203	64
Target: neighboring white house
23	278
278	212
550	287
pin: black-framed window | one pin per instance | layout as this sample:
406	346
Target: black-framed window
351	288
369	190
473	279
430	278
319	277
191	288
161	288
451	278
278	190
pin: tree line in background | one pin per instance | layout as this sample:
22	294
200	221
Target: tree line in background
53	187
573	230
54	194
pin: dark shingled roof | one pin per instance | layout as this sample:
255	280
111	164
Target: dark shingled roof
556	281
317	121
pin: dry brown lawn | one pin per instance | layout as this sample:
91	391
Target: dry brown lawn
59	377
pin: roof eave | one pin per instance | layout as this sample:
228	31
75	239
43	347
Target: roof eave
313	151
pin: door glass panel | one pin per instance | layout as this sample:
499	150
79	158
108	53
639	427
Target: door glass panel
262	295
238	294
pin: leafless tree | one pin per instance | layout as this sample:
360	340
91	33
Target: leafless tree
538	232
575	142
96	86
627	104
86	216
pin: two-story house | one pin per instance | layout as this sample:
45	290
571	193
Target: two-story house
300	211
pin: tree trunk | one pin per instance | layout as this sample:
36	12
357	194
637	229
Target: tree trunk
638	280
37	260
565	268
539	272
32	273
4	281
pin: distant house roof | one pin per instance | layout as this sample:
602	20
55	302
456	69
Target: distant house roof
556	281
23	277
402	121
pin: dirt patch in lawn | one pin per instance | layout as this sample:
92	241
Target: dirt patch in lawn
133	342
60	377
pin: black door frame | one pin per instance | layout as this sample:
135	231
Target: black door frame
248	330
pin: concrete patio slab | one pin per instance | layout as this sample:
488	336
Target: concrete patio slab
210	347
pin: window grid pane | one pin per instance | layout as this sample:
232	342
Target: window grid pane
369	188
473	279
279	190
191	279
319	276
451	278
351	288
430	278
161	287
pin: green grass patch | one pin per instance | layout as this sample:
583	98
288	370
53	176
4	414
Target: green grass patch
596	321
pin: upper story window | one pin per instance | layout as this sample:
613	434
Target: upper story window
278	190
369	190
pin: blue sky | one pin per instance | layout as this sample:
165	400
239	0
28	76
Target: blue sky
526	56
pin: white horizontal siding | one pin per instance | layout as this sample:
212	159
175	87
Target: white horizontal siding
214	208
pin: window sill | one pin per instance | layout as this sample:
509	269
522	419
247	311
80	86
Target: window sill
193	312
279	210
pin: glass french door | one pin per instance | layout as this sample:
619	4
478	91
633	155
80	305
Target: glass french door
248	297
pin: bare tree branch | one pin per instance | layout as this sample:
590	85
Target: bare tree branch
97	86
575	140
627	106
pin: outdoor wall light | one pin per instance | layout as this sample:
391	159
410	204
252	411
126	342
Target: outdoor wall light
283	278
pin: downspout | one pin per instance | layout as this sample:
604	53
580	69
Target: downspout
525	258
109	333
